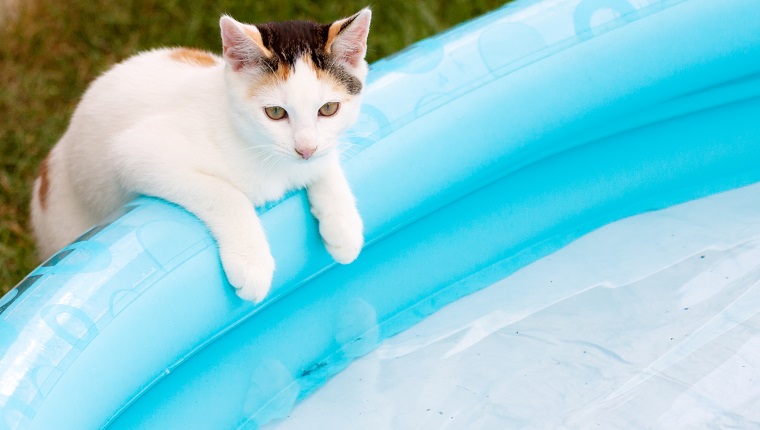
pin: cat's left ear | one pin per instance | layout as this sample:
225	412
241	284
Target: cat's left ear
347	38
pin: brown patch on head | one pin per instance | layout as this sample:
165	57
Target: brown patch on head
284	43
44	176
192	56
288	41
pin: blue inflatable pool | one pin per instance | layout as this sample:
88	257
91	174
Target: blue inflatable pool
478	152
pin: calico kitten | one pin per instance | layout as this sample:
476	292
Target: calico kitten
217	135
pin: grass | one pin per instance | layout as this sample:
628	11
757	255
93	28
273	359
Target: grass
53	49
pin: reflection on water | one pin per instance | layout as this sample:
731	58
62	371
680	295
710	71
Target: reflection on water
650	322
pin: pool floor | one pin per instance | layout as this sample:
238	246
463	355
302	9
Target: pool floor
649	322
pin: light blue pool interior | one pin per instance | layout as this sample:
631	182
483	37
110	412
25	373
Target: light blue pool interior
478	152
649	322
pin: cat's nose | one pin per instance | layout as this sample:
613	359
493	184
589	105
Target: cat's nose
306	153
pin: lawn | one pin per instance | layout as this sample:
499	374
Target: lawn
52	49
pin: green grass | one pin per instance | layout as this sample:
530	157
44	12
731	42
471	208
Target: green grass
54	48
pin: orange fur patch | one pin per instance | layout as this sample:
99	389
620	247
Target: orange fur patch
196	57
264	81
331	33
283	71
307	59
44	182
269	80
323	75
256	37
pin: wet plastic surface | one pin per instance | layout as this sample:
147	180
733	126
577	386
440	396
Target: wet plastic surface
649	322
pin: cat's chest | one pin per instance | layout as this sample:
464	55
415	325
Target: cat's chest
265	185
260	192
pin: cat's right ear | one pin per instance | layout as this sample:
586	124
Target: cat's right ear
242	44
347	38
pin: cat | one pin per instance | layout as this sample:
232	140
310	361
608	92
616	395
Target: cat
217	136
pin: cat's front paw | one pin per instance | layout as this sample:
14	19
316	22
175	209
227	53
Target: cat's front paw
251	275
343	236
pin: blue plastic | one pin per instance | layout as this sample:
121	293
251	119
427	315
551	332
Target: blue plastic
650	322
478	152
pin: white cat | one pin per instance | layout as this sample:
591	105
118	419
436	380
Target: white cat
217	136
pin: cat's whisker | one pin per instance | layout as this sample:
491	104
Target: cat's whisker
257	156
260	158
256	151
269	163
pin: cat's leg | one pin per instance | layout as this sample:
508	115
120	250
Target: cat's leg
160	162
333	204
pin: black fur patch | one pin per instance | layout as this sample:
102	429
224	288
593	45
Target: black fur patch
291	40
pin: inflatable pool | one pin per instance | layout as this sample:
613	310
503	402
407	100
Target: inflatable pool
479	152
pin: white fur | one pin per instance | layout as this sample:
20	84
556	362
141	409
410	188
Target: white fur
192	135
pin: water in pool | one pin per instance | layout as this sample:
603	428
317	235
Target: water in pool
649	322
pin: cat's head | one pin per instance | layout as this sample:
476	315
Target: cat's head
295	86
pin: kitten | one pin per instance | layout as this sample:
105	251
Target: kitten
217	135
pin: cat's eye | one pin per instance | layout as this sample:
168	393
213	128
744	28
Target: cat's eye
329	109
275	112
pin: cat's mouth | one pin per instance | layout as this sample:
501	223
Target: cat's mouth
301	160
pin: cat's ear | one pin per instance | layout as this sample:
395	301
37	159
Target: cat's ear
347	38
242	44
